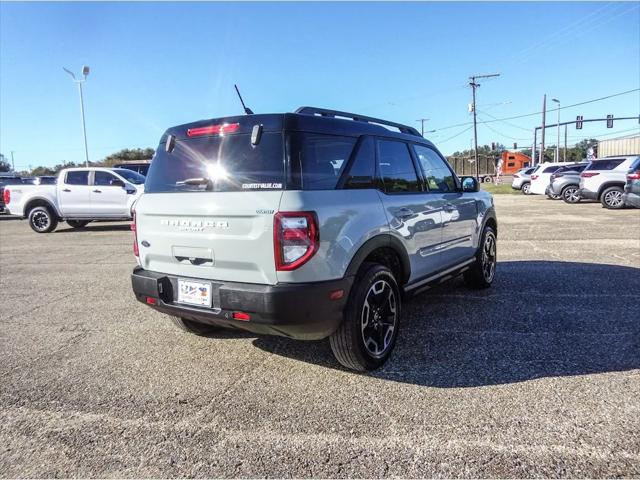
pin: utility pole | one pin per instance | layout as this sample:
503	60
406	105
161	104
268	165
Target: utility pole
473	84
534	147
558	140
565	143
544	119
13	165
422	120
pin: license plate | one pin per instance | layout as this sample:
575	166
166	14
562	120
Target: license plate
194	293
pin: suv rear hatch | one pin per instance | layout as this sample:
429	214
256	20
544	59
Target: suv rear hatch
210	198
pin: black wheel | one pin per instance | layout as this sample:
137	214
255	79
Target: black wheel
526	188
371	322
42	220
612	198
78	223
483	270
571	194
194	327
487	179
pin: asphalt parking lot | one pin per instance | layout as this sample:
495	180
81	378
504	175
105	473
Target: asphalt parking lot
538	376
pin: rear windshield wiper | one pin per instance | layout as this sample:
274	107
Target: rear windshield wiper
195	181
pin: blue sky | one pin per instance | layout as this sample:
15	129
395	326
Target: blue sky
154	65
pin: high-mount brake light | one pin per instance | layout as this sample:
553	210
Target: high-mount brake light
6	196
589	174
134	229
222	129
295	239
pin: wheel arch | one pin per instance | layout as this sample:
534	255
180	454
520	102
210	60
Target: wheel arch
40	202
386	250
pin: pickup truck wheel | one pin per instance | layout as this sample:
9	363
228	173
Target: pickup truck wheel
365	338
612	198
483	270
194	327
42	220
78	223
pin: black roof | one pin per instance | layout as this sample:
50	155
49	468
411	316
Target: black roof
309	119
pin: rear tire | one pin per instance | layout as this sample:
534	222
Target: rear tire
365	338
42	220
526	188
483	270
196	328
78	223
571	194
611	198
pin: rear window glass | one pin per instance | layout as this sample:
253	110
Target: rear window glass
317	160
605	164
221	164
363	168
78	178
551	169
396	167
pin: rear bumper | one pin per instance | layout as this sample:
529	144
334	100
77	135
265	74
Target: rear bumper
588	194
631	199
303	311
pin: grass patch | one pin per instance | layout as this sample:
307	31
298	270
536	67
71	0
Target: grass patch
503	188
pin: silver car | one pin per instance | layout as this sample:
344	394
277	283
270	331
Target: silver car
522	180
310	225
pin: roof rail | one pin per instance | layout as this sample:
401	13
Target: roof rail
357	117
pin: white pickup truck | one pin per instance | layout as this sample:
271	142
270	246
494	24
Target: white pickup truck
79	196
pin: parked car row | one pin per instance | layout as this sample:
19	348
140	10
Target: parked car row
613	181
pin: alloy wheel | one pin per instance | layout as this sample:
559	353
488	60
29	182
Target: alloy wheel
572	195
40	220
378	318
489	257
613	198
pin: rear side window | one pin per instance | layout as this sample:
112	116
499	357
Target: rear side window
361	174
396	167
605	164
79	177
318	160
551	169
218	163
438	175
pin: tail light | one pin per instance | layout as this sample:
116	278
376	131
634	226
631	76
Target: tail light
134	229
515	175
213	130
630	176
589	174
534	177
295	239
6	196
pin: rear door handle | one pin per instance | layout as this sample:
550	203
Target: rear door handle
66	190
97	191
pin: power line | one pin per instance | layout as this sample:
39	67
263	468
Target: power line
538	113
456	135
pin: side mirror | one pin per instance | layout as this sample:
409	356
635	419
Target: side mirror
116	183
470	184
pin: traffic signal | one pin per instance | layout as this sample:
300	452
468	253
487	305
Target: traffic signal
515	146
609	121
493	146
579	122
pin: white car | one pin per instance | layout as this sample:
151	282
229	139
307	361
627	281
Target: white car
79	196
541	176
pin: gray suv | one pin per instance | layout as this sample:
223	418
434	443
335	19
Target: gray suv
310	225
565	183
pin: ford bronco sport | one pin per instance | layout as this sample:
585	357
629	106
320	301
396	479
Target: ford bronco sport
310	225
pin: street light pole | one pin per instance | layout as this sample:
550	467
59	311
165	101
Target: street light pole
558	142
85	72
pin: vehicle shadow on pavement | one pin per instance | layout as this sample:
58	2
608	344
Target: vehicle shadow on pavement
95	228
539	319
